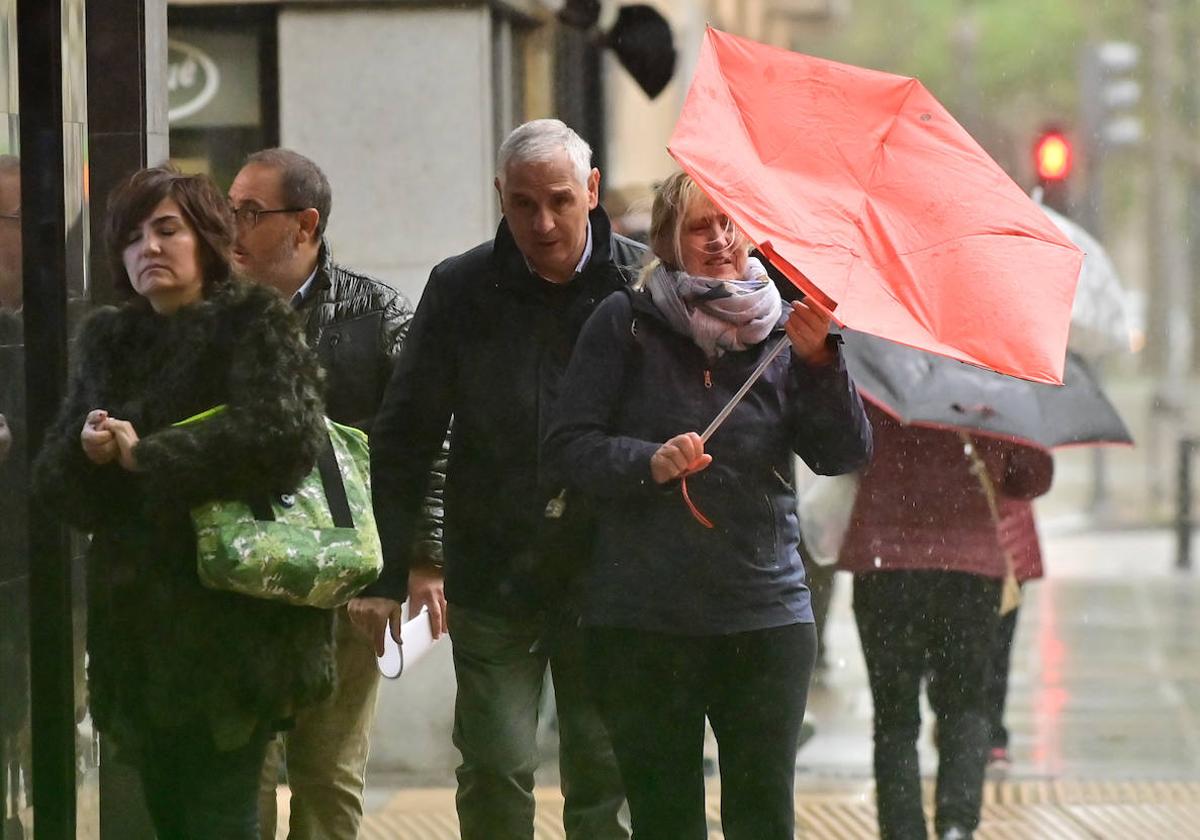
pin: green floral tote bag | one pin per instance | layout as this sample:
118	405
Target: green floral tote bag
317	546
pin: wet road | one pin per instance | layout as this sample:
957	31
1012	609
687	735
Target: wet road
1104	712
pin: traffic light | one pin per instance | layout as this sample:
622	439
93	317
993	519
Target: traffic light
1108	95
1053	159
1053	156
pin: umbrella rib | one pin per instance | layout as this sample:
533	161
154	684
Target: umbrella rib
961	237
741	117
867	184
878	161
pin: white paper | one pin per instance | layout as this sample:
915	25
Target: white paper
416	639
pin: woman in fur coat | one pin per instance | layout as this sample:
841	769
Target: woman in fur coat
188	682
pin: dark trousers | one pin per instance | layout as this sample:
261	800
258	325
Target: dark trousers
195	791
500	665
996	684
655	691
914	623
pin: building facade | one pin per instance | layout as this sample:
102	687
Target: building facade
401	103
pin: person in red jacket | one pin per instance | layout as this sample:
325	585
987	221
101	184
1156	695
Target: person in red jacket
928	563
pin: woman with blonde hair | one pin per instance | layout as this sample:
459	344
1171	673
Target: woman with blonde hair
694	601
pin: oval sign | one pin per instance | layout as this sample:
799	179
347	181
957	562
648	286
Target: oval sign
192	80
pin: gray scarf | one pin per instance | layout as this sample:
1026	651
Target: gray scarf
718	315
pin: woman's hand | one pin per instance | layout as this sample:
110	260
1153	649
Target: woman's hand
126	439
807	329
99	444
681	455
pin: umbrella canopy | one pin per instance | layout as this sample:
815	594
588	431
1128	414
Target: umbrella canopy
1100	319
868	195
923	389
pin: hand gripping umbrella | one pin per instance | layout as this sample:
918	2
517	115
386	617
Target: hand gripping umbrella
865	192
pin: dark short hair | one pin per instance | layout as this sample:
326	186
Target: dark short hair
304	184
203	206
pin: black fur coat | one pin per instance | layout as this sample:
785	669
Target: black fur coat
163	650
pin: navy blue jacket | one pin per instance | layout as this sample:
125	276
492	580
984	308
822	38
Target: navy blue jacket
632	384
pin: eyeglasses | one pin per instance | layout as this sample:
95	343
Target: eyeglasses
247	217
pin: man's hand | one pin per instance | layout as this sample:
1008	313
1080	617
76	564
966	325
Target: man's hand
99	444
373	617
426	588
681	455
807	329
5	439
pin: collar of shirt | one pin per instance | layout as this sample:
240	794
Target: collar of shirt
302	293
583	260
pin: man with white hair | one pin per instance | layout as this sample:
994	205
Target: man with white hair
488	347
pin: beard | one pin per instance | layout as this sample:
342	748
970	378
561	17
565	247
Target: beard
272	267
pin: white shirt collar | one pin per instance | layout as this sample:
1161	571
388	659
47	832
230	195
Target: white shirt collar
583	260
587	251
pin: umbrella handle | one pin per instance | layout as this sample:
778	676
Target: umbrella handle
741	392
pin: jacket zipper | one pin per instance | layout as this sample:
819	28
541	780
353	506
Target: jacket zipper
707	379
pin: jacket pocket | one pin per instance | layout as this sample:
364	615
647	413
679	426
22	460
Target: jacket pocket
766	534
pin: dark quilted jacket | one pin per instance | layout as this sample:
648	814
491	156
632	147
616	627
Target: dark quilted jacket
357	325
919	505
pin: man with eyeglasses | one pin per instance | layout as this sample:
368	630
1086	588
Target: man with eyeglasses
281	202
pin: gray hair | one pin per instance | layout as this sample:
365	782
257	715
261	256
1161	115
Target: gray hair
304	184
542	140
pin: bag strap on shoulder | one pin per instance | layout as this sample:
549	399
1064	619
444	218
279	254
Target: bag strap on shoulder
327	466
335	488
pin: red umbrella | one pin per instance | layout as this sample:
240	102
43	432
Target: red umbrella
868	195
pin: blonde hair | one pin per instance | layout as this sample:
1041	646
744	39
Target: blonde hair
673	198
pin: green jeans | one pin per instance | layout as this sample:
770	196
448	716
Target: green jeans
326	750
500	665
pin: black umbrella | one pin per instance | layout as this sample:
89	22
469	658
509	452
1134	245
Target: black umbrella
923	389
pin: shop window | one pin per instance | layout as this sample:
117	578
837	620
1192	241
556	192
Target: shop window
222	87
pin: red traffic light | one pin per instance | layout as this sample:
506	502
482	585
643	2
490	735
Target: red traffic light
1052	156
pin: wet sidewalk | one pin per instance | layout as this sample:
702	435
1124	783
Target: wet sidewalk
1104	711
